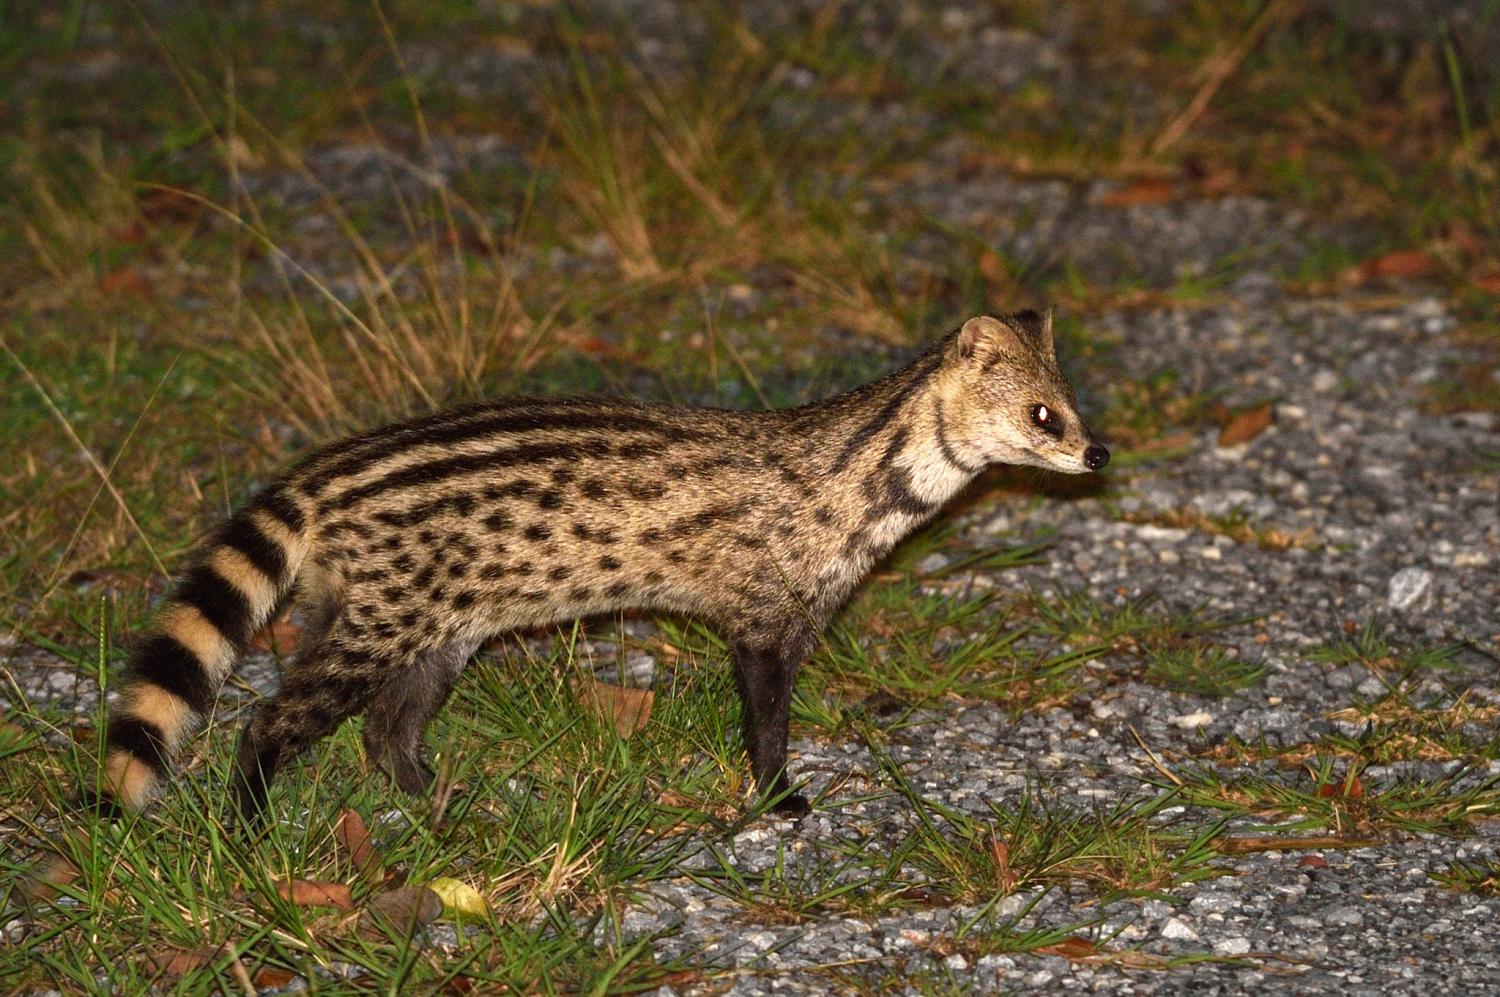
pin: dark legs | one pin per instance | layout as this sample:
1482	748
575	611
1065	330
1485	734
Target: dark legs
399	714
765	672
330	680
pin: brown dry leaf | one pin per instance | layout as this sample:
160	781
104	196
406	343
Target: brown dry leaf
1272	843
1401	263
279	636
627	709
313	893
174	961
405	909
272	978
1313	862
1353	789
1071	948
1152	190
1489	283
1245	426
1004	874
124	281
352	835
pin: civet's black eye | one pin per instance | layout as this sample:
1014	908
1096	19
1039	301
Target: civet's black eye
1047	420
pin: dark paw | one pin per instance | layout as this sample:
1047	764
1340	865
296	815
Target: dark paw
412	775
794	806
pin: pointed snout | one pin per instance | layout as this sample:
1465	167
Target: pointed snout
1095	457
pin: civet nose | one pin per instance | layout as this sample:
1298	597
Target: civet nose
1095	457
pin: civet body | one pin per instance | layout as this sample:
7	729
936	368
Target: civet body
411	545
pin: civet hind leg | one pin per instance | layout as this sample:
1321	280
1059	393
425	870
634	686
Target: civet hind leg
333	681
399	714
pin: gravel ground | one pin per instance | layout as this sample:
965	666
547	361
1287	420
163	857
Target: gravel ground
1397	508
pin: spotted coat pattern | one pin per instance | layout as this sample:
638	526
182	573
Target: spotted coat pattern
412	544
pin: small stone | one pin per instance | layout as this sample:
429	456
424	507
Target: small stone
1160	534
1178	930
1211	554
1344	917
1410	589
956	962
931	564
995	964
1237	945
1215	901
1191	721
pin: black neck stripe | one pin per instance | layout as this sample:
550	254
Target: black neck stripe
945	447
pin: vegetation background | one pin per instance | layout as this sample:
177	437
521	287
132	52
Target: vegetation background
230	232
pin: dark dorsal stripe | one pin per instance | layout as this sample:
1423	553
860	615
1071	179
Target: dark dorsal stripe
478	426
433	471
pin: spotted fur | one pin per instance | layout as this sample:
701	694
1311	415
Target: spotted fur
411	545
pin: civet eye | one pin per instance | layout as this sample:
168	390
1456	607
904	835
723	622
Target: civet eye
1041	415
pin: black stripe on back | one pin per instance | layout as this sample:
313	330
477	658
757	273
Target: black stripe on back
164	662
915	376
241	534
280	506
464	430
221	603
142	739
432	471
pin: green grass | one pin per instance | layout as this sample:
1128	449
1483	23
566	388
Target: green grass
700	238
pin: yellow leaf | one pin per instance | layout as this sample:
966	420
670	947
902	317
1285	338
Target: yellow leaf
458	897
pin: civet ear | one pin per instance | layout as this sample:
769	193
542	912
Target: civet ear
983	338
1036	327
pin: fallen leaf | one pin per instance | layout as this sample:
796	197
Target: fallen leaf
1152	190
1245	426
627	709
352	835
405	909
1273	843
1071	948
1349	789
1401	263
279	637
168	206
1005	876
681	978
459	897
1313	862
122	281
272	978
176	962
313	893
1489	283
458	985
